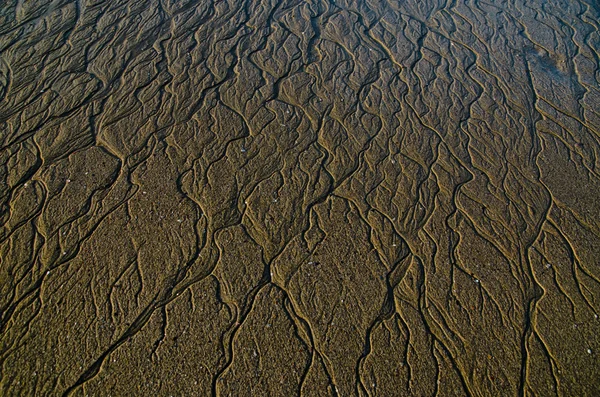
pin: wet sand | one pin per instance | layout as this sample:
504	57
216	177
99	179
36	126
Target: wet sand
316	198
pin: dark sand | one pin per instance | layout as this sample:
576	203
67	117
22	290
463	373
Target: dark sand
281	198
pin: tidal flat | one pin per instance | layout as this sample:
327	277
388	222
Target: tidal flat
300	198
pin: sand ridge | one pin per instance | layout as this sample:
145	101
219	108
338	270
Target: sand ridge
321	197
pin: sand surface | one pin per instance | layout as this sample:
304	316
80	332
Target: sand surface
286	197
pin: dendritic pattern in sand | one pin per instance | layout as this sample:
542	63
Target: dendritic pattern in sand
321	197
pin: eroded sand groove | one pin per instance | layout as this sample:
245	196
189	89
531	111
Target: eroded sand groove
375	198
